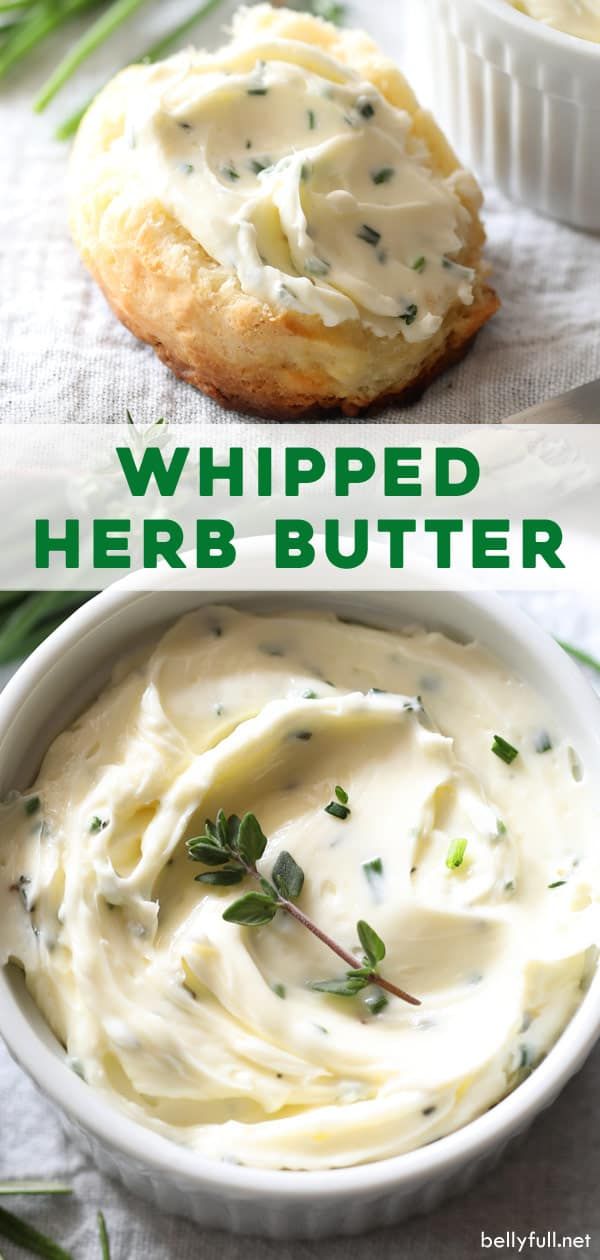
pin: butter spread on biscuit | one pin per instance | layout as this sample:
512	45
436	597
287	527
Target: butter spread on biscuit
467	842
302	180
574	17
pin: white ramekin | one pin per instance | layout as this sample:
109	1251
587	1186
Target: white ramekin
520	102
43	696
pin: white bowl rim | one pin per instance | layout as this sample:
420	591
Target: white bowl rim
533	28
91	1111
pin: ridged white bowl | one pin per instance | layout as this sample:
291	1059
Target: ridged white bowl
46	693
520	102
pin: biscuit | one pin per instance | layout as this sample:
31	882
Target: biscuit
262	357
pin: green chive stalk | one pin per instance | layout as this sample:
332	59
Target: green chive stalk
103	1236
25	1236
109	21
33	29
30	621
161	48
578	654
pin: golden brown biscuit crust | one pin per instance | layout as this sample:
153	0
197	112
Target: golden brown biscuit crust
163	286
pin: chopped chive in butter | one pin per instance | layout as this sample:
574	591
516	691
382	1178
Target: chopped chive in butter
365	107
258	166
505	751
316	266
337	810
312	119
342	795
369	234
98	824
32	805
543	742
419	263
373	873
456	854
410	314
384	175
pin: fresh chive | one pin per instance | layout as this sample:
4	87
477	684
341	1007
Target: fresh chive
410	314
342	795
374	866
33	29
543	742
258	166
103	1235
229	171
369	234
257	91
456	854
99	31
505	751
384	175
419	263
279	989
32	804
303	735
187	168
25	1236
365	107
312	119
98	824
525	1056
68	128
500	827
338	810
34	1187
316	266
558	883
584	658
309	695
33	619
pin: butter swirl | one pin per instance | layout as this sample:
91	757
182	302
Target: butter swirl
302	180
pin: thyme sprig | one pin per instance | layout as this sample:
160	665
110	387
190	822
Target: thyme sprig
231	847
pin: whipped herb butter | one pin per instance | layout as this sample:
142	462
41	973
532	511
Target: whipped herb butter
574	17
460	826
304	182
